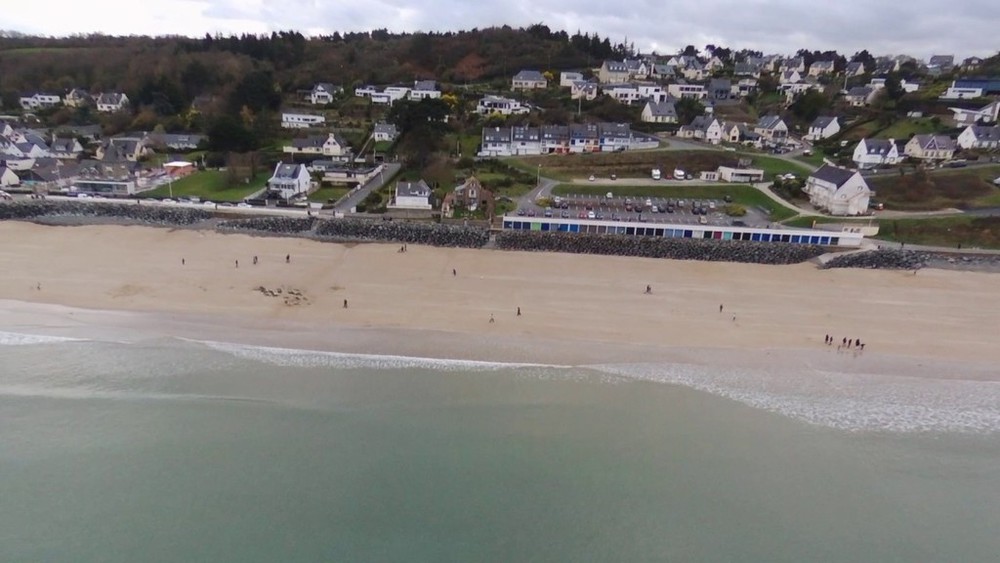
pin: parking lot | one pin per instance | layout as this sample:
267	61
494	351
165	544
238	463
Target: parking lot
649	209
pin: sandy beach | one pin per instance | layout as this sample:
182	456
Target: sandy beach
142	282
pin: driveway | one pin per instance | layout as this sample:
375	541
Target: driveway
359	194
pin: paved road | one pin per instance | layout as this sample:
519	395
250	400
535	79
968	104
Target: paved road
345	205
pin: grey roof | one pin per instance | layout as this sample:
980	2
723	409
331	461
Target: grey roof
496	134
662	109
702	122
615	66
823	64
942	60
287	171
615	130
822	122
532	75
583	131
935	142
326	87
769	121
525	134
834	175
425	85
878	146
312	141
720	84
555	132
986	133
113	98
854	68
663	70
859	91
386	128
746	69
413	189
632	64
63	145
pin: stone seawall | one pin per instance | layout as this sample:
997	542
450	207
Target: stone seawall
129	212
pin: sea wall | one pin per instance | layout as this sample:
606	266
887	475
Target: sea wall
126	212
433	234
676	249
269	225
888	259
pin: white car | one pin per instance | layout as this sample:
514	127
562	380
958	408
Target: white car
592	178
242	204
168	201
208	204
997	181
591	215
82	196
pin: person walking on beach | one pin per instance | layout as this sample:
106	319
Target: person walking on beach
492	320
649	289
39	286
720	308
519	311
453	272
345	303
734	318
288	258
237	263
255	260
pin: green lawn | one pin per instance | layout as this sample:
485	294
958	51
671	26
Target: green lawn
806	221
774	166
964	188
815	159
209	185
742	195
905	128
981	232
328	194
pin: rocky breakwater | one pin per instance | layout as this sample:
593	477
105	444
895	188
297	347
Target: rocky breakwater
269	225
432	234
888	259
131	213
676	249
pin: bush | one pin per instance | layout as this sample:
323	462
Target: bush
734	210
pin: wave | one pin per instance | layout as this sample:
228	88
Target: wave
19	339
85	393
291	357
850	402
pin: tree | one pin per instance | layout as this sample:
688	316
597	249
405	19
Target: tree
227	133
809	105
257	91
893	86
865	58
688	109
689	51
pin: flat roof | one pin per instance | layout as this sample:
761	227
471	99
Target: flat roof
178	164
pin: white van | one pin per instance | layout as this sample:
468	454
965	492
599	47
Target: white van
679	174
656	173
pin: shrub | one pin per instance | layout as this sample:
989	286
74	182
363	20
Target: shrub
734	210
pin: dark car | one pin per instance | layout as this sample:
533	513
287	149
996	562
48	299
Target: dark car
520	212
670	209
728	199
564	205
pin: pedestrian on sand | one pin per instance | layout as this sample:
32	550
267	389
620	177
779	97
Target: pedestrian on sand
237	263
720	307
649	289
453	272
519	311
492	320
182	262
734	318
255	260
345	303
288	258
39	286
857	342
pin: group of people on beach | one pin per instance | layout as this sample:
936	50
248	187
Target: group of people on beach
846	343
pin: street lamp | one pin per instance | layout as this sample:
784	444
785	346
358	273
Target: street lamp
538	176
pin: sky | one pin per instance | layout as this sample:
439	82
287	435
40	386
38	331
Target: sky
918	28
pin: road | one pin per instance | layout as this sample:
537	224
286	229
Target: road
358	195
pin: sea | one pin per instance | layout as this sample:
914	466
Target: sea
182	450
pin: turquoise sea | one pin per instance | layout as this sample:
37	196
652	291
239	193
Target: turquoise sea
174	450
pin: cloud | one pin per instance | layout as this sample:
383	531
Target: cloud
918	27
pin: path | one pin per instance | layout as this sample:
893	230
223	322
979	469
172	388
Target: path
348	203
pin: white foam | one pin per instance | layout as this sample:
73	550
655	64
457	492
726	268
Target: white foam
19	339
853	402
290	357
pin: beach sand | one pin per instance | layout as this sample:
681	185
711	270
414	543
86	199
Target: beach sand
119	281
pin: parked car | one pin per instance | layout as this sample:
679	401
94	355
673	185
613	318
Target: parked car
548	212
592	178
520	213
565	214
591	215
703	220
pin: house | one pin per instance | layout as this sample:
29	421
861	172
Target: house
384	132
772	128
637	68
296	120
747	69
412	195
40	100
971	63
651	91
854	69
940	63
288	181
496	142
583	89
390	94
684	90
88	133
906	86
525	140
797	64
822	127
789	77
614	136
930	147
92	177
704	128
528	80
693	69
860	96
971	88
720	89
989	113
566	79
66	148
110	103
793	89
555	139
471	196
613	72
584	138
979	137
424	90
819	68
740	175
77	98
713	64
743	88
659	112
330	144
323	93
885	65
180	142
624	93
124	148
8	178
503	106
661	72
838	191
741	133
872	153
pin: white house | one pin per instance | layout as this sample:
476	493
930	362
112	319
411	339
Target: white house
986	114
819	68
501	105
385	132
838	191
289	180
391	94
412	195
743	88
772	128
323	93
871	153
8	177
979	137
583	89
860	96
823	127
789	76
525	140
293	120
110	103
798	64
566	79
624	93
659	112
40	100
930	147
66	148
908	87
704	128
854	69
423	90
330	144
682	90
528	80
